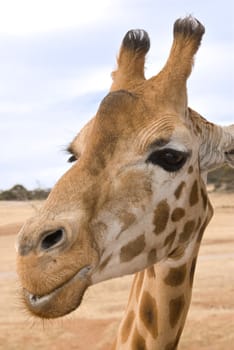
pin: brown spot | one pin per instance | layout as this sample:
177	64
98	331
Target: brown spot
151	272
177	253
105	262
204	198
170	346
176	276
140	278
148	313
161	216
190	169
138	342
173	345
176	307
132	249
192	271
179	189
152	257
187	231
127	219
170	239
177	214
193	198
127	326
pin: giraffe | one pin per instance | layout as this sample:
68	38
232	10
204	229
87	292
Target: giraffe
133	202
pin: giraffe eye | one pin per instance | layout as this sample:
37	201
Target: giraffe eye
169	159
72	159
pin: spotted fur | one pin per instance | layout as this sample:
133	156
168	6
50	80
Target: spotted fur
134	202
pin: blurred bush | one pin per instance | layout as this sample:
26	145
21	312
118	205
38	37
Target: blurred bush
20	193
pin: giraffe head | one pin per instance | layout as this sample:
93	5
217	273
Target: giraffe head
135	194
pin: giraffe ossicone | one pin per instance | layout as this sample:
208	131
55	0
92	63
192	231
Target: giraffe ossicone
134	201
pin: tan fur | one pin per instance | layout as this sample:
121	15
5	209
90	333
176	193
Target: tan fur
117	212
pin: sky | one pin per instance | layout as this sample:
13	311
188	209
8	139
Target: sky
56	57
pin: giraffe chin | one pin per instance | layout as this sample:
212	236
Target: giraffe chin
60	301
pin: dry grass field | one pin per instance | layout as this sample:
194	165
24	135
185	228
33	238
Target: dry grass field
210	323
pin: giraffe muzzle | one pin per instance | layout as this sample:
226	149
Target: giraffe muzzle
52	305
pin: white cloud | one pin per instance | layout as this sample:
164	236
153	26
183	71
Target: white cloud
87	82
28	17
40	92
55	65
216	108
17	108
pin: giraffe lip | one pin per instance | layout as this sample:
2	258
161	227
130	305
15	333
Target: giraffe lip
36	299
50	305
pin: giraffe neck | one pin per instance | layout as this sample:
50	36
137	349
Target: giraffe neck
159	300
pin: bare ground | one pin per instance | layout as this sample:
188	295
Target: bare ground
210	323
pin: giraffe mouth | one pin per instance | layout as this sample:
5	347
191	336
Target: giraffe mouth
61	300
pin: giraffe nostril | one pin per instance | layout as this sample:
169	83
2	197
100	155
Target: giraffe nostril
51	239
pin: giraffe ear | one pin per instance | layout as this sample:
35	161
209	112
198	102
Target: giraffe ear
217	147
